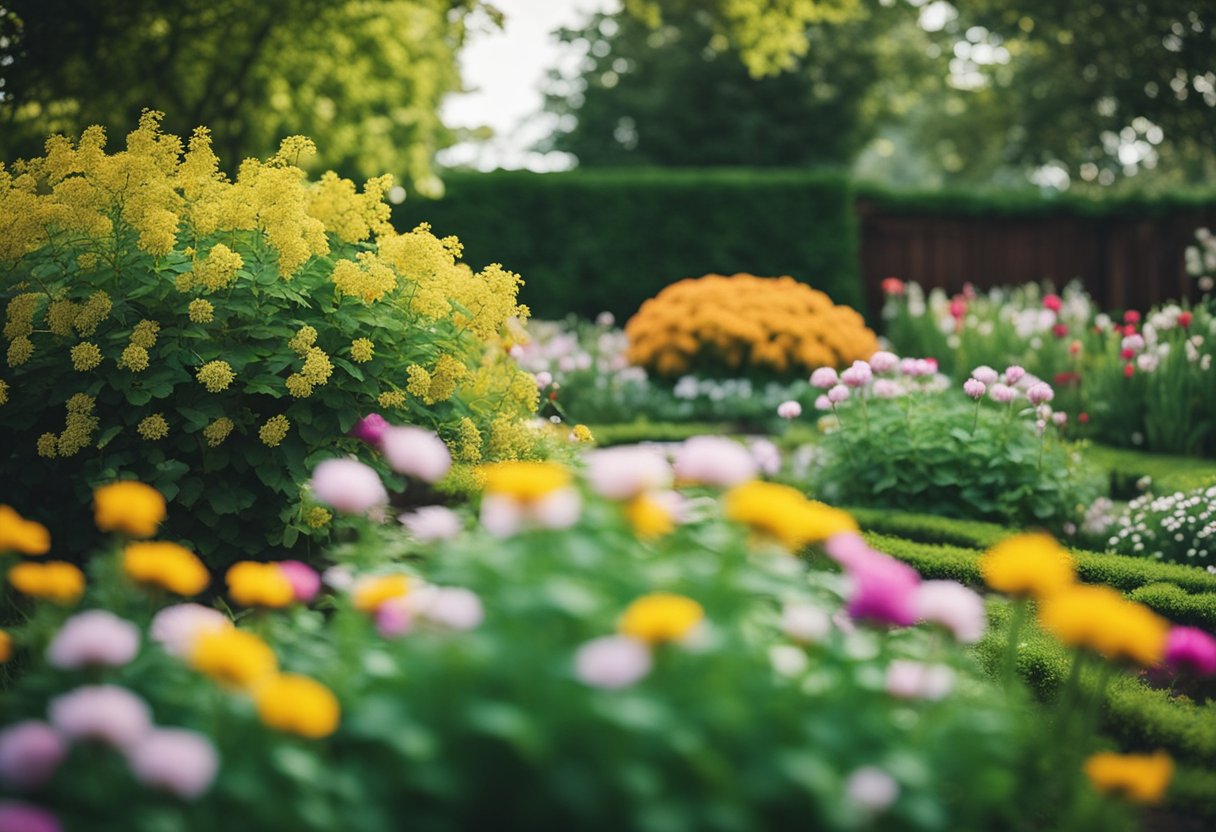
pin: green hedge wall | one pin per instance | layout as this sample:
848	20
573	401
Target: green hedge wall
606	240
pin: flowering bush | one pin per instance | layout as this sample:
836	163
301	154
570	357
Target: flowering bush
896	443
214	336
1178	527
603	652
719	325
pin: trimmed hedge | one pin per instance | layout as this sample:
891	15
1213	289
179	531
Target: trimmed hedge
1168	473
627	433
606	240
1198	610
1029	202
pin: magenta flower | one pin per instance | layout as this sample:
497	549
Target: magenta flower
25	817
431	523
612	662
305	581
974	388
884	589
824	378
175	628
624	473
954	607
715	461
348	486
393	618
416	453
93	639
30	754
789	410
369	429
985	374
178	761
883	361
1191	648
105	713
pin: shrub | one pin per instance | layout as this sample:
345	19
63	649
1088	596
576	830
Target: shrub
717	325
1177	527
215	337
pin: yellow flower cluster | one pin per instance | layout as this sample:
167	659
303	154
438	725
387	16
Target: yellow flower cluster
362	350
303	340
367	277
216	432
650	518
468	441
1141	778
130	508
54	580
153	427
253	584
775	325
315	372
298	705
234	658
20	535
1099	618
391	399
660	617
217	270
370	593
274	431
200	311
784	514
439	383
85	356
165	565
3	392
1030	564
317	517
77	432
215	376
525	482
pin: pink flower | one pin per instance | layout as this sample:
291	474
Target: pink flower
715	461
805	623
369	429
871	789
1053	303
858	375
789	410
544	379
175	628
823	378
503	516
823	403
953	606
25	817
1040	393
30	754
1133	343
884	589
348	486
1191	648
915	367
985	374
883	361
1002	393
106	713
1014	374
914	680
178	761
431	523
612	662
416	453
394	618
767	456
974	388
93	639
452	607
1059	419
885	388
305	581
838	394
624	473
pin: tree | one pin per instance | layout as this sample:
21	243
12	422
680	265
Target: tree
677	95
364	78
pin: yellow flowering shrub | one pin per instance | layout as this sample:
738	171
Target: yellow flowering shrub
165	565
737	325
215	335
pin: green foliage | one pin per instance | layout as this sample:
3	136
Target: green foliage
1176	604
1128	467
364	79
926	452
590	242
630	433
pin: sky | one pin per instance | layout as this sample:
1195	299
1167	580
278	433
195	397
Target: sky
503	70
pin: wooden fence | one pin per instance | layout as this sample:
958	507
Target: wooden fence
1125	262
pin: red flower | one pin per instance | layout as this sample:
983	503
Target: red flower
893	286
1059	330
552	395
1130	329
958	308
1053	303
1128	370
1083	417
1067	377
1074	348
1128	354
1184	319
1131	316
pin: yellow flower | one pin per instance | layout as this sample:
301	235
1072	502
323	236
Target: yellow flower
1098	618
48	445
215	376
54	580
3	391
216	432
370	593
253	584
525	481
274	431
304	338
20	350
85	356
200	311
581	433
6	646
298	386
317	517
233	657
1028	564
362	350
130	508
661	617
153	427
391	399
1142	778
219	268
298	705
317	366
785	514
20	535
134	358
649	517
144	334
166	565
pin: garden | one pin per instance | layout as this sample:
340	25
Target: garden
631	497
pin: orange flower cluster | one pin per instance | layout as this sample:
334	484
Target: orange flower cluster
770	324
